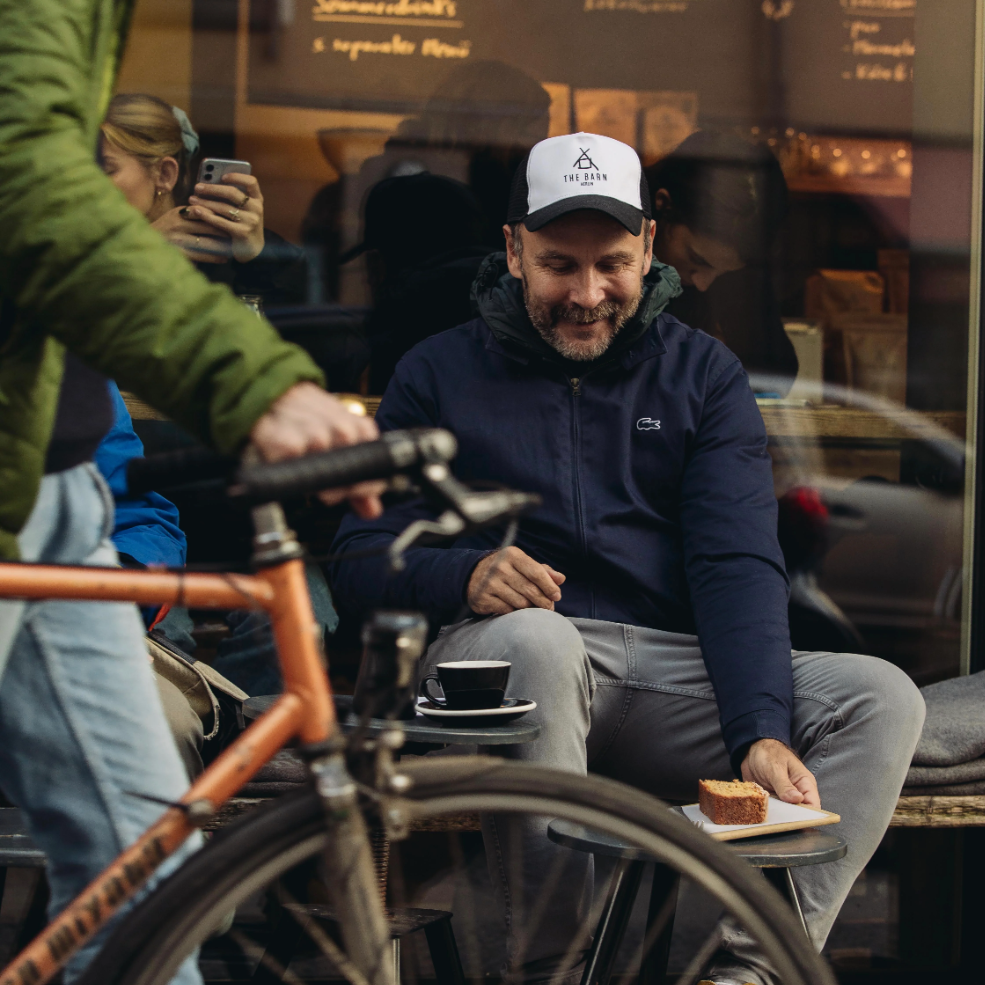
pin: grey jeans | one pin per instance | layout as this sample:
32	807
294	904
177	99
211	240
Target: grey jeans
636	705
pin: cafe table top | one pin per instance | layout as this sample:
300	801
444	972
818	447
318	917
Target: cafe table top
419	730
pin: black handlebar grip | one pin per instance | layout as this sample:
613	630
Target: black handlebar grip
178	468
394	452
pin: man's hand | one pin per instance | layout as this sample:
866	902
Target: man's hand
307	419
773	766
510	580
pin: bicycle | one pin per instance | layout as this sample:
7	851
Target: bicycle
316	843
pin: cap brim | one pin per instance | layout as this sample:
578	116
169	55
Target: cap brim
631	218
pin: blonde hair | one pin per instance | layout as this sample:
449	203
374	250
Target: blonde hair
146	127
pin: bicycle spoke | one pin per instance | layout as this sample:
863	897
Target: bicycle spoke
580	942
327	946
532	926
659	925
468	909
702	956
253	950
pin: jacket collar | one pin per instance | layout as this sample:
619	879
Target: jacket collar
497	297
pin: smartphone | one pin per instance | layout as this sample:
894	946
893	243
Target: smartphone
213	168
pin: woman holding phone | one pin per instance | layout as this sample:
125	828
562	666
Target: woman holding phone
149	150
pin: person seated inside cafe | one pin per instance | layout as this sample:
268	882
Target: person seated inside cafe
719	202
643	605
150	150
147	533
423	246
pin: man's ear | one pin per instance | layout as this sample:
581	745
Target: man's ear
648	256
512	259
167	175
662	202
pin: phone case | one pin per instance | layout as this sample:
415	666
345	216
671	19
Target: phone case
212	169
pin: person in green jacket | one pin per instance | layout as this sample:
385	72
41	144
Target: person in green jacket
89	290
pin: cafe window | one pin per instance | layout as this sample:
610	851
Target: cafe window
854	124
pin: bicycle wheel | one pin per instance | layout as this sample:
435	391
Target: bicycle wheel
265	868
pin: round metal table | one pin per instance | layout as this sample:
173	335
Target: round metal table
786	850
420	730
775	854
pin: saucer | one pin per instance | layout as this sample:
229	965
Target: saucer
509	711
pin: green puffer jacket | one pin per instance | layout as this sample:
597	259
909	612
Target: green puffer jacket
81	269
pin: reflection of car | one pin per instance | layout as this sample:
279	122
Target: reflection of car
875	564
894	568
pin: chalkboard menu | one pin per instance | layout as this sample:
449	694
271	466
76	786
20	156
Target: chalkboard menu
847	65
812	64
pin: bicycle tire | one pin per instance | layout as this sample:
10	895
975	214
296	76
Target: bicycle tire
149	943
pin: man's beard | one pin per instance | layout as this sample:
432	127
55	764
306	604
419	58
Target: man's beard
545	319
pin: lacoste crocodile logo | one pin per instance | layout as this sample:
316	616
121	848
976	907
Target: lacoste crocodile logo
647	424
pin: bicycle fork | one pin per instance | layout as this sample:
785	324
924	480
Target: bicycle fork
394	642
350	876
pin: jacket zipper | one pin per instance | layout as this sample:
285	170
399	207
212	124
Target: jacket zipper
575	383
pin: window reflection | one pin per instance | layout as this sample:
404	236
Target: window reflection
811	172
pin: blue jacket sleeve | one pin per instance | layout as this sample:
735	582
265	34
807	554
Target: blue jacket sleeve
435	578
735	571
146	527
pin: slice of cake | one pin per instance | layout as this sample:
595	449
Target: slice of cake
738	802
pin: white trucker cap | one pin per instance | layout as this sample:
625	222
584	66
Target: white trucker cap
580	171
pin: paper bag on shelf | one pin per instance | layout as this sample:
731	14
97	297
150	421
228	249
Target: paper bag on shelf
831	293
875	353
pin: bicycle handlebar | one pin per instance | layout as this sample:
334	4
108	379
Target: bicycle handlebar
172	469
395	452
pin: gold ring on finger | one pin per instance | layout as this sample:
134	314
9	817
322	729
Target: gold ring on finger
233	215
198	240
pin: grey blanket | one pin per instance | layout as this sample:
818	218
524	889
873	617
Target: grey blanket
975	789
954	731
941	776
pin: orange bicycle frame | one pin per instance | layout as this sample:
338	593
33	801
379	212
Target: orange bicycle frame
304	711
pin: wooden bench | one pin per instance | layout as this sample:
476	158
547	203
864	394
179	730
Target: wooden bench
911	812
939	812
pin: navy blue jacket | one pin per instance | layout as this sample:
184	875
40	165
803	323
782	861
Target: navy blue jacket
657	489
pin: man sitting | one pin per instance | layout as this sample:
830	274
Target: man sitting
644	607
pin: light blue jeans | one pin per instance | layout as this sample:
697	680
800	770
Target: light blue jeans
82	732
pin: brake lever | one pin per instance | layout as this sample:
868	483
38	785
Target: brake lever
465	509
478	508
449	524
